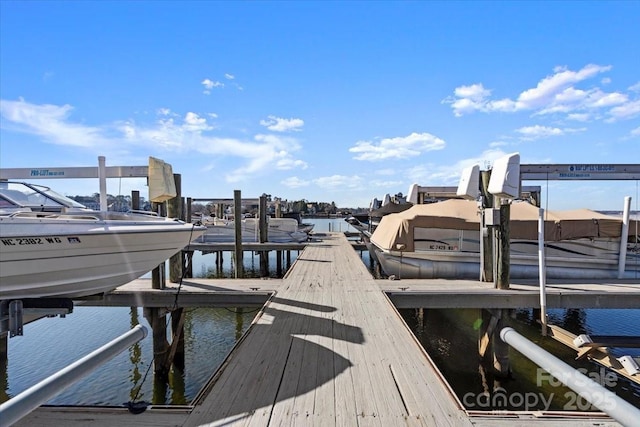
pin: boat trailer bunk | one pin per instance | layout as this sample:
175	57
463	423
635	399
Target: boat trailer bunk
595	348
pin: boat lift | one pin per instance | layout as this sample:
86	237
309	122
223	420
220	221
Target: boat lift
15	313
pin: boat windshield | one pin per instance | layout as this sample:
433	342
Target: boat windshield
36	196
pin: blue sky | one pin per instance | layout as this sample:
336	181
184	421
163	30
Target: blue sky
324	101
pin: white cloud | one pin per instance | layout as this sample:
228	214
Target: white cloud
334	182
498	144
537	131
210	84
635	132
399	147
278	124
195	123
294	182
170	133
229	76
547	89
624	112
554	94
449	174
475	92
579	117
290	163
50	122
385	184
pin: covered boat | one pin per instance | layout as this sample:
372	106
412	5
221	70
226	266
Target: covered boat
442	240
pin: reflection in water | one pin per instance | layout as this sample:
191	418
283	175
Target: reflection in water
239	323
135	356
53	343
450	338
575	320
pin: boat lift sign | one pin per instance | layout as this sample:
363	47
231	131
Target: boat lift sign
602	172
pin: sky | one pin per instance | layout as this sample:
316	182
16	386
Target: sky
323	101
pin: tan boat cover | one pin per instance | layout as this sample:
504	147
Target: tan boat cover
396	230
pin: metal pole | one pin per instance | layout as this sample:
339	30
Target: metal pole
621	410
623	237
542	272
102	178
21	405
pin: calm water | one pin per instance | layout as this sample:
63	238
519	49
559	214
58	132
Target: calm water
51	344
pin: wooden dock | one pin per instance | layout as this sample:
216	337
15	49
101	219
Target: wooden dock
328	348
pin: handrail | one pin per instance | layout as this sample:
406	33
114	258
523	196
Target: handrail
21	405
607	401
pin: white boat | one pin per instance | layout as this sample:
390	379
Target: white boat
442	240
280	230
76	252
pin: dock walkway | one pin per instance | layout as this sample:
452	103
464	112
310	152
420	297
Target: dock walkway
328	349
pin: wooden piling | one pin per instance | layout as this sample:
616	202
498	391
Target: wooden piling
158	275
174	210
135	200
263	229
486	273
237	216
504	252
158	325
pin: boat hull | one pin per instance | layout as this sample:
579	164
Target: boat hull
466	265
77	258
280	230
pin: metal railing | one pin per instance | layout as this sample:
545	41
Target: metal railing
21	405
607	401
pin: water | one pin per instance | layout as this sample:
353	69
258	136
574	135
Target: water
51	344
450	337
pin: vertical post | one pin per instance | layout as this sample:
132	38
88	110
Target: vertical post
174	210
187	215
158	274
264	235
237	211
176	351
624	237
279	263
102	178
159	333
504	252
486	233
542	272
135	200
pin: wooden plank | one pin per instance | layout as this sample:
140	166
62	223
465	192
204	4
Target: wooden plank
46	416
